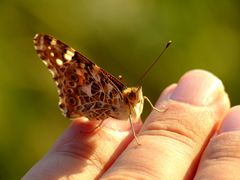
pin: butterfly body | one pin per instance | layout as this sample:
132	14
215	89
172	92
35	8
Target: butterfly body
84	88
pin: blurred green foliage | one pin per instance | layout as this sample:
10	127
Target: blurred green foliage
123	37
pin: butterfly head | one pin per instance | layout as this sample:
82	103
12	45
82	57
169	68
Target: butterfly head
134	98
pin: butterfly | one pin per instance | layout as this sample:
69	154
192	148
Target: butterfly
84	88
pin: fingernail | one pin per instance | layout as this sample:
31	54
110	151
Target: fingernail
198	87
166	94
232	120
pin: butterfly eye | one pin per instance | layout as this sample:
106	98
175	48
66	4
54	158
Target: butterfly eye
132	95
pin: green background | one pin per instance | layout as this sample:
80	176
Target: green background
121	36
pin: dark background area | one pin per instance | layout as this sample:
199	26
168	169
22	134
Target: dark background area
123	37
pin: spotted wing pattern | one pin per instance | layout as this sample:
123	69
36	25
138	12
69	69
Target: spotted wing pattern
84	88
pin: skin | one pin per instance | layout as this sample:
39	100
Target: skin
196	137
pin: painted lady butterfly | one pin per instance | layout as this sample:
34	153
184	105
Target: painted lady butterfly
84	88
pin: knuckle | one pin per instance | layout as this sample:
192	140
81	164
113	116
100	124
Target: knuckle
188	124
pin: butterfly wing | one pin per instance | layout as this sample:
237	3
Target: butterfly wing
84	88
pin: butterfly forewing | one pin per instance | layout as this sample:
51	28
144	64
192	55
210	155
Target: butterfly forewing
84	88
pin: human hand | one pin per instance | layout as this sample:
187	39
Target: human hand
181	143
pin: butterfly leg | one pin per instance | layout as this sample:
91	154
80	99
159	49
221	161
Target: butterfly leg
156	109
133	131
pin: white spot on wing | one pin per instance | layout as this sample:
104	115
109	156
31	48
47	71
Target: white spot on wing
45	62
52	72
35	37
70	52
58	90
96	68
53	42
68	57
40	47
59	62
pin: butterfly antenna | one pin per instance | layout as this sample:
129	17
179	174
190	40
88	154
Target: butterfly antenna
140	81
